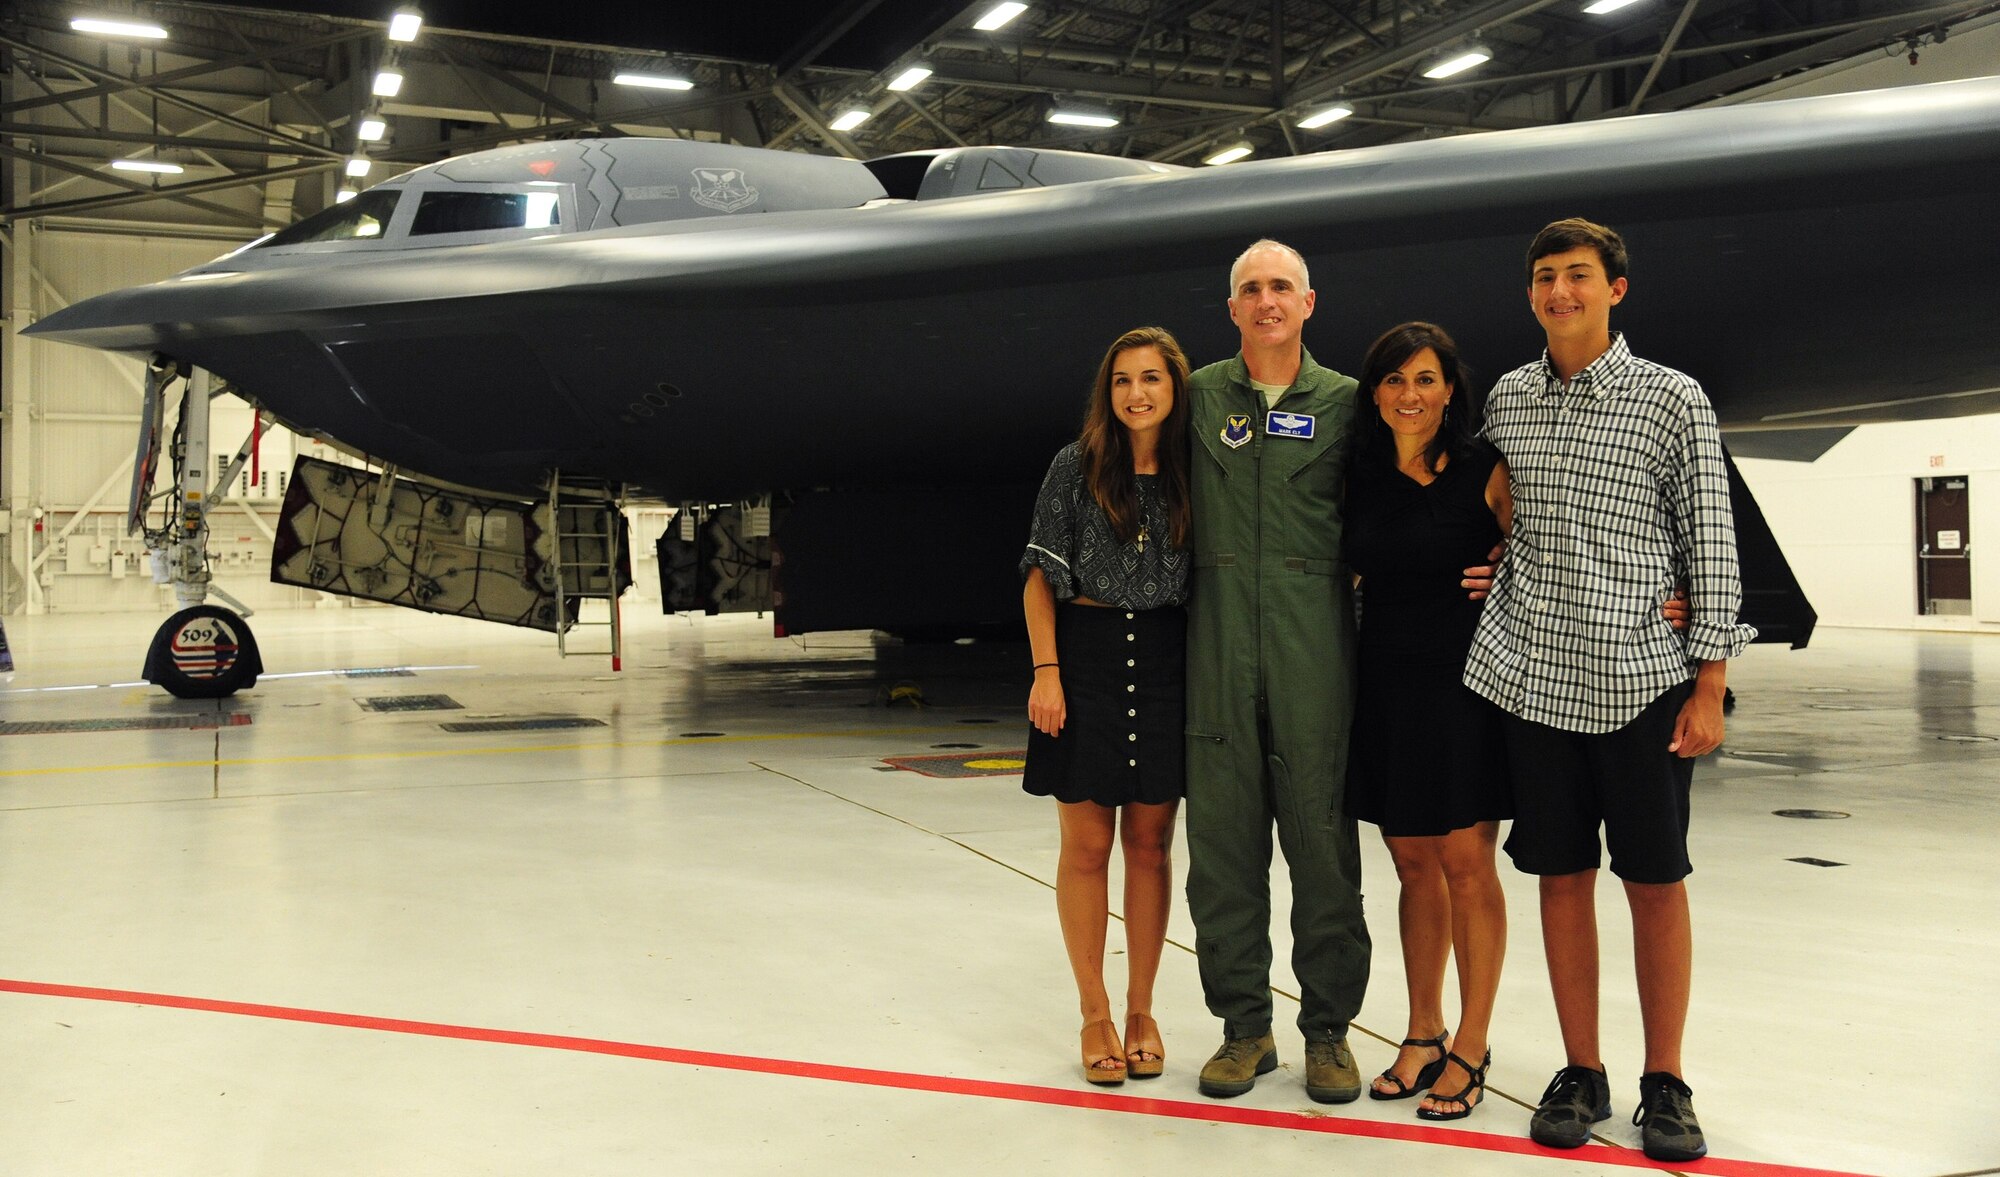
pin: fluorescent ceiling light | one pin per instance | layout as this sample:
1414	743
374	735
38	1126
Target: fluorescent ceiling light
1603	6
116	28
371	129
1331	114
1229	154
388	83
999	15
343	196
358	166
404	25
1458	63
1082	118
148	165
850	119
653	81
910	78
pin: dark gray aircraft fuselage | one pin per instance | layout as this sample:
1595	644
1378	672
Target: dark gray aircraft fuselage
1814	262
894	349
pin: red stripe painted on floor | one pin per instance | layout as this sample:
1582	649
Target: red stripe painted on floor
1220	1113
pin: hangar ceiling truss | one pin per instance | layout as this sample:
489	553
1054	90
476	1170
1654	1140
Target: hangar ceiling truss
259	108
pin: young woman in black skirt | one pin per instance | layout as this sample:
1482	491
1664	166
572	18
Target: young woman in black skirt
1107	573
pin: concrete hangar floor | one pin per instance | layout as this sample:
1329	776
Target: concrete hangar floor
729	928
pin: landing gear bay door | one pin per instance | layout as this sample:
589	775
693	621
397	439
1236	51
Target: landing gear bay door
362	534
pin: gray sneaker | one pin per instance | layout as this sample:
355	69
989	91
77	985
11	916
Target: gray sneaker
1235	1067
1577	1098
1331	1076
1668	1130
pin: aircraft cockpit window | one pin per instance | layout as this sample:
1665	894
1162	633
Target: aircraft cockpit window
366	217
478	212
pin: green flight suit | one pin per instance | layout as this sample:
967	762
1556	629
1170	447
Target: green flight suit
1270	696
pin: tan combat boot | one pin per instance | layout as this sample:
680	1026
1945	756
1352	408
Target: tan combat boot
1235	1067
1331	1076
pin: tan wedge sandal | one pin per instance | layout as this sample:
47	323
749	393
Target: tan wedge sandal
1103	1057
1145	1056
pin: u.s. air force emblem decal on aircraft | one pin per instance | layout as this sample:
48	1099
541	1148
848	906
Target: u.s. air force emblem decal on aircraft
722	189
1236	430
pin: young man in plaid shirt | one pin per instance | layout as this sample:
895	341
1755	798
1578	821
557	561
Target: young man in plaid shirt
1620	492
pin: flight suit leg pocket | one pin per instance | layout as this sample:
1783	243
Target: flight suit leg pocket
1332	805
1212	784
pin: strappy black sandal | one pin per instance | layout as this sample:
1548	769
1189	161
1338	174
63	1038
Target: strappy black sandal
1464	1096
1425	1077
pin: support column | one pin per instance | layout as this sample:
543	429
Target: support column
22	593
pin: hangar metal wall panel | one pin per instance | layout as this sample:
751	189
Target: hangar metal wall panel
76	266
1847	521
88	405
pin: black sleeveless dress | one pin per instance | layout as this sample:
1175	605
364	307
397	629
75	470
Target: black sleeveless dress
1426	756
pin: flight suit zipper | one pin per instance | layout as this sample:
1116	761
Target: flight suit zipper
1262	438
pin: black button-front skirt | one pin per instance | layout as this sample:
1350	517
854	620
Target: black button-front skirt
1124	677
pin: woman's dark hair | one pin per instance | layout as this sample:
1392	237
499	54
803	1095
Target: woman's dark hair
1374	442
1107	448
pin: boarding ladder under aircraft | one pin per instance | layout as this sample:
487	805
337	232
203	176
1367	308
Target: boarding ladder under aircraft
586	518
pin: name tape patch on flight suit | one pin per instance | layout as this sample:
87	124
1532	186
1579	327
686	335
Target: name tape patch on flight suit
1236	430
1298	425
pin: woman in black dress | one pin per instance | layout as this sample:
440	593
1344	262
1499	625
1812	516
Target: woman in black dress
1109	543
1426	499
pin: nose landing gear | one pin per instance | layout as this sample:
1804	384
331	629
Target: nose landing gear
204	651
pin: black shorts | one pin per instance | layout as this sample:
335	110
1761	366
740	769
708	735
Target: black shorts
1567	784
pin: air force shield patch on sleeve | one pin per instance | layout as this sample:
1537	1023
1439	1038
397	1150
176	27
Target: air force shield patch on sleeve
1298	425
1236	430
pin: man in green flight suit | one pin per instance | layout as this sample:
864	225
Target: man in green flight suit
1271	685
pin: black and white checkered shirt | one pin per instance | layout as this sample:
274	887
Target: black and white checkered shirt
1620	492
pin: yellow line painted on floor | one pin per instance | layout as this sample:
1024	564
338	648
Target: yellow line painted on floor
428	753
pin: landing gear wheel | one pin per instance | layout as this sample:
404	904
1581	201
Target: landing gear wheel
206	652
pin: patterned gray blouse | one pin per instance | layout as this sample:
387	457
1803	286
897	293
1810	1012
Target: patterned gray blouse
1071	541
